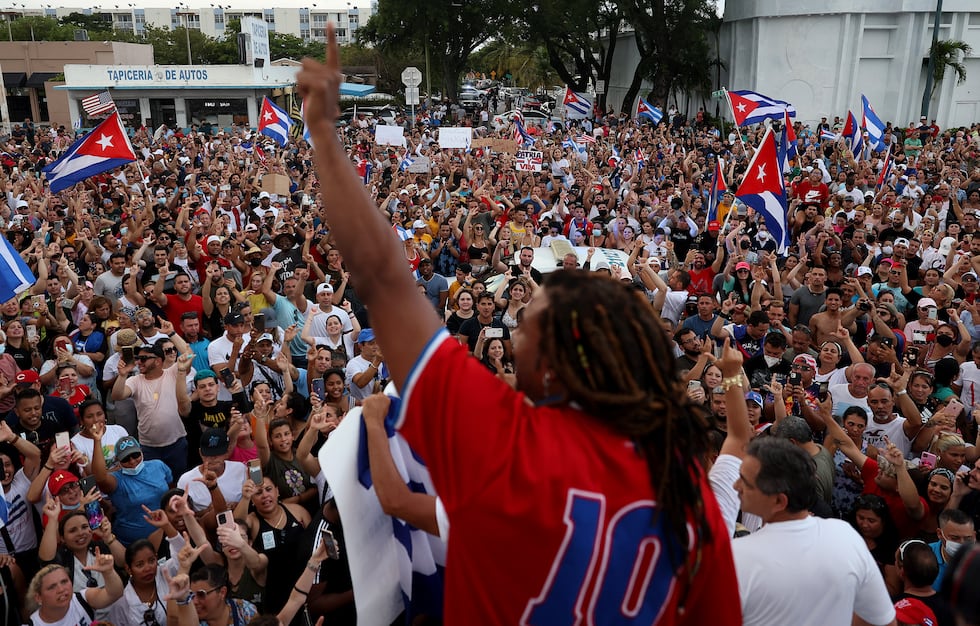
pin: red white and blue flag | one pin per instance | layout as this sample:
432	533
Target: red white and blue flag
872	124
787	145
826	135
650	112
762	189
641	160
749	107
577	105
106	147
852	136
886	172
521	137
718	189
274	122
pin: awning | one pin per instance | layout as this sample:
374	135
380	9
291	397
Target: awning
37	79
13	80
353	89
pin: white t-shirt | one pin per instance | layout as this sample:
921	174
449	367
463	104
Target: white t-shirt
318	323
776	563
230	483
843	399
113	433
722	477
76	616
875	434
969	381
156	407
20	523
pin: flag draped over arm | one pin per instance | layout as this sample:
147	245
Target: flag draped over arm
762	189
103	149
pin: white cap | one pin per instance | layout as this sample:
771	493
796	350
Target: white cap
264	194
250	228
324	288
265	337
418	224
213	238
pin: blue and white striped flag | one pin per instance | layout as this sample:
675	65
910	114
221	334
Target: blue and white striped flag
580	150
77	124
15	275
407	162
393	565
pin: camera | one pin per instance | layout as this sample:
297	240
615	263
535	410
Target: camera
864	305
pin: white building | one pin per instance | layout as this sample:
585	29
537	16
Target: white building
308	22
823	57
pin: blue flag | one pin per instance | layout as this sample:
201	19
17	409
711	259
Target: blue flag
15	276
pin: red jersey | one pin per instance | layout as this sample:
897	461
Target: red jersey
177	306
812	194
552	514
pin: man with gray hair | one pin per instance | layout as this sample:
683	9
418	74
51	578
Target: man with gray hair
797	431
854	393
777	481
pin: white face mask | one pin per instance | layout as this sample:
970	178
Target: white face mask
886	250
771	361
763	235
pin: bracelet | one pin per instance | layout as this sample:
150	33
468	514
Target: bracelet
171	334
50	469
901	393
313	567
300	591
186	601
109	543
731	381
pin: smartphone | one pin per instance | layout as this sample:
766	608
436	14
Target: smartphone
933	313
258	321
37	302
911	355
333	550
62	439
928	460
953	408
494	333
255	471
87	483
795	378
31	332
694	384
823	391
93	511
128	355
319	389
226	518
64	385
227	377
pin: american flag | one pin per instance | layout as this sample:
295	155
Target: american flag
98	104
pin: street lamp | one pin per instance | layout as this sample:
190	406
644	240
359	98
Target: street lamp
187	31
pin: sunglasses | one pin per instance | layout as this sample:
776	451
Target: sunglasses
202	594
170	350
145	357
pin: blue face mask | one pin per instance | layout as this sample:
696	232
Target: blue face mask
133	471
69	507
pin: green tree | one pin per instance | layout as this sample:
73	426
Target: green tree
527	63
946	55
448	30
37	28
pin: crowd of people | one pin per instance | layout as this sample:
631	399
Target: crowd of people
193	339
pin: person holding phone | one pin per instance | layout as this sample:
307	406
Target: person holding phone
638	420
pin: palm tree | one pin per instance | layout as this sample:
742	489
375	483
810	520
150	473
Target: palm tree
946	54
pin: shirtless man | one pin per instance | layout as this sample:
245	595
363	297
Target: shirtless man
823	324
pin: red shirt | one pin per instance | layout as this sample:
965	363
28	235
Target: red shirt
907	527
177	306
550	511
812	194
701	280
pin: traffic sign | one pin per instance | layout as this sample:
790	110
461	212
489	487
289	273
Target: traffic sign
411	95
411	77
718	95
600	86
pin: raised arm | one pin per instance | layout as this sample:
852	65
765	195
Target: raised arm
367	242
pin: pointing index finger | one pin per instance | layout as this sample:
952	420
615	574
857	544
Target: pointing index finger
333	52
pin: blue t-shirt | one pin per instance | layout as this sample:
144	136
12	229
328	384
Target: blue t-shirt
147	488
287	314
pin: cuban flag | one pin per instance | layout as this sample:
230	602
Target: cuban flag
579	148
886	172
521	138
749	107
787	145
364	167
274	122
406	162
306	128
873	124
650	112
852	136
106	147
718	189
762	189
15	278
394	567
577	105
641	160
826	135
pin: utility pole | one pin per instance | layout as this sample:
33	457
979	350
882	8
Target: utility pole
187	31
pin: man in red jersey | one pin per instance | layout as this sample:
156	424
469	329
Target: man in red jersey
589	471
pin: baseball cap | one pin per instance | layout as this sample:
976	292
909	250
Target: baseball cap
806	359
264	194
969	276
425	261
863	270
754	396
264	337
214	442
324	288
59	480
234	318
915	612
27	377
946	245
366	334
869	194
251	228
742	265
126	337
926	303
714	226
126	447
902	241
213	239
418	224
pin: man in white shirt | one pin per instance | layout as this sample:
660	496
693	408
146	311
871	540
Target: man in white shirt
795	551
216	475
